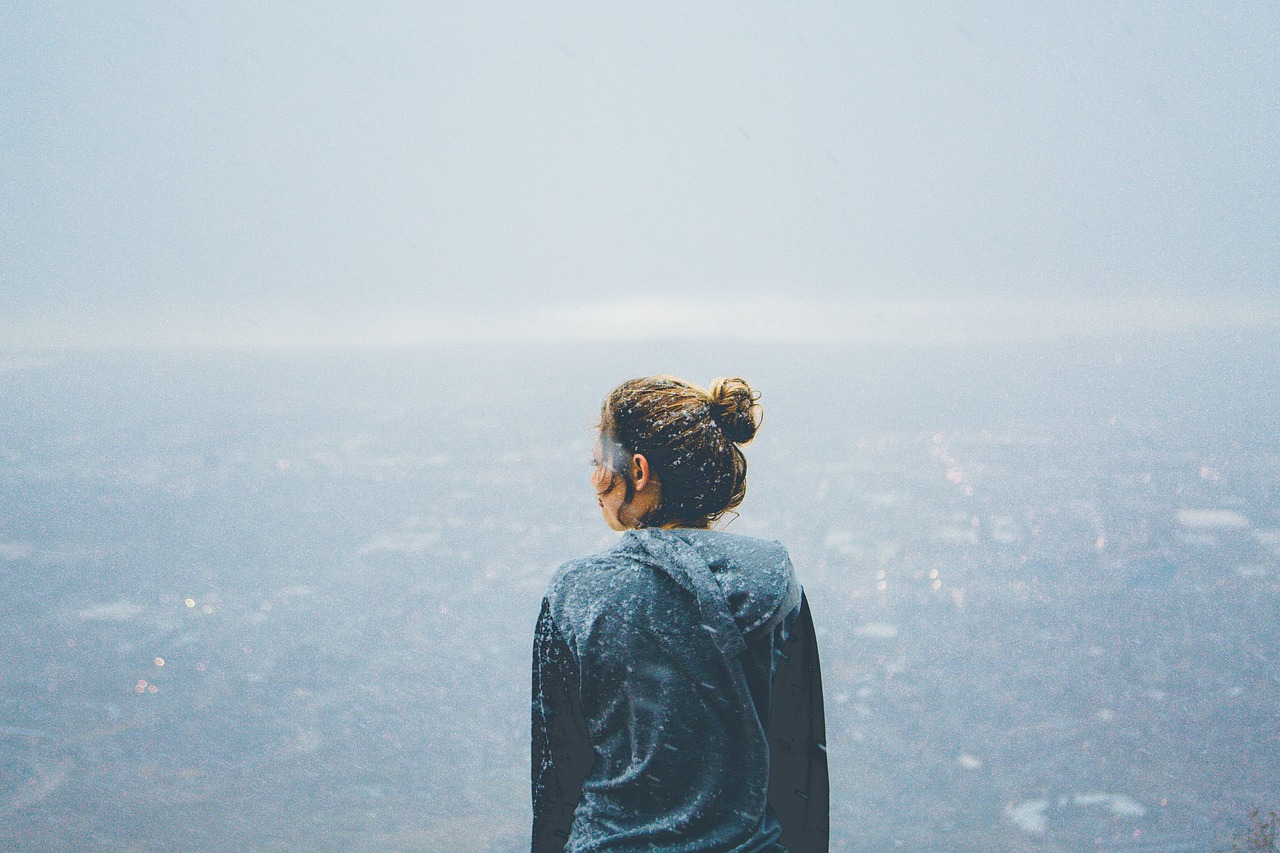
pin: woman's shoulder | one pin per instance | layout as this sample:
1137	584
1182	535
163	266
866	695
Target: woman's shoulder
618	577
594	572
736	544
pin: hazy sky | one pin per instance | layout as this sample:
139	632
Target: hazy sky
228	171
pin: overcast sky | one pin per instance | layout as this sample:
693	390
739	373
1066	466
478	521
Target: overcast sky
320	171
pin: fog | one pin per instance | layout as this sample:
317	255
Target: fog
264	175
307	313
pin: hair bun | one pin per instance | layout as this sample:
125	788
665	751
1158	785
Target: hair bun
734	408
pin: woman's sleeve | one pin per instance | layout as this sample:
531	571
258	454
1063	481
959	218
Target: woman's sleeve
798	787
561	752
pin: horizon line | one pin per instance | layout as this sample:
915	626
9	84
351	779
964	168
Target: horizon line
772	320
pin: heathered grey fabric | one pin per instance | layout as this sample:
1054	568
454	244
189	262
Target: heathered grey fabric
669	639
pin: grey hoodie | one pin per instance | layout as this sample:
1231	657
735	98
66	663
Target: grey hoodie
677	701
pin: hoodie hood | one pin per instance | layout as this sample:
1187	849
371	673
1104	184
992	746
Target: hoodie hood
667	647
744	586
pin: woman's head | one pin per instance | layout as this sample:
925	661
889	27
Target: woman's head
668	451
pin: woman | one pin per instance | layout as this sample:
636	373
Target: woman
677	699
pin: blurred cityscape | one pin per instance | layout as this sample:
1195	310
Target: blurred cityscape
285	601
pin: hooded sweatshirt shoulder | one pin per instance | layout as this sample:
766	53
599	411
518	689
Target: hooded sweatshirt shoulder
755	577
673	633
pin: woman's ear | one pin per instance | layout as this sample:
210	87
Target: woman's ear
640	471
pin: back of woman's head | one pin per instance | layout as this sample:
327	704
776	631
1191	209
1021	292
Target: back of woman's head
690	438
